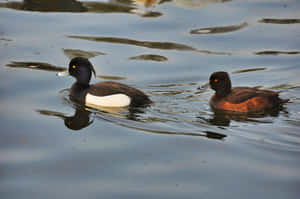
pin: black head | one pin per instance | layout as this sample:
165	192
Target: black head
220	82
82	69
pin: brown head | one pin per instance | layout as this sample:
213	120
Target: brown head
220	82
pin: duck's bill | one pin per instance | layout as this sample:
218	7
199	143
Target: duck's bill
63	73
204	86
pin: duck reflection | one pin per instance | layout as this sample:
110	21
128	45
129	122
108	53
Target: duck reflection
222	118
81	119
83	116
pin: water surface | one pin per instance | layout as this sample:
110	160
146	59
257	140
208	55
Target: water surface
178	147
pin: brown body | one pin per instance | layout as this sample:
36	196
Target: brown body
245	100
241	99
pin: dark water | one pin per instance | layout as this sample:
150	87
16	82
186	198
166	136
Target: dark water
178	147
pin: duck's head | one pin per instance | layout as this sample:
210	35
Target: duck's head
220	82
80	68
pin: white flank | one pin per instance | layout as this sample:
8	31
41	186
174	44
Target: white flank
116	100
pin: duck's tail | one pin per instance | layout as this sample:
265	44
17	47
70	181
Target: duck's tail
283	101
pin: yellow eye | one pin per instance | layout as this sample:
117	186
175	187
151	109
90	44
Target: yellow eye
216	80
74	66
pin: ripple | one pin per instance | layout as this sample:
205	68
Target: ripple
111	77
79	7
36	66
71	53
175	114
46	6
156	128
279	21
167	93
168	120
275	52
150	57
145	3
172	85
102	7
248	70
118	7
128	118
196	4
5	39
148	44
219	29
286	86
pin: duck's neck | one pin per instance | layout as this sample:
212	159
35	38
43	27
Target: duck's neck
224	91
78	92
84	77
81	85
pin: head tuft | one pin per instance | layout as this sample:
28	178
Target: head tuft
82	69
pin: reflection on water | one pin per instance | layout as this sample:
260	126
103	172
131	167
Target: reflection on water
196	4
193	149
180	95
145	119
127	117
275	52
36	66
223	118
279	21
71	53
286	86
248	70
219	29
119	6
148	44
46	5
172	85
5	39
107	77
81	119
112	6
150	57
145	3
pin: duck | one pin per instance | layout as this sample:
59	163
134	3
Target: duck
103	94
241	99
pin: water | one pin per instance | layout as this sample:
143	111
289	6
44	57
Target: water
176	148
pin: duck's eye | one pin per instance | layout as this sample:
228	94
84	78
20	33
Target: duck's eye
74	66
216	80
